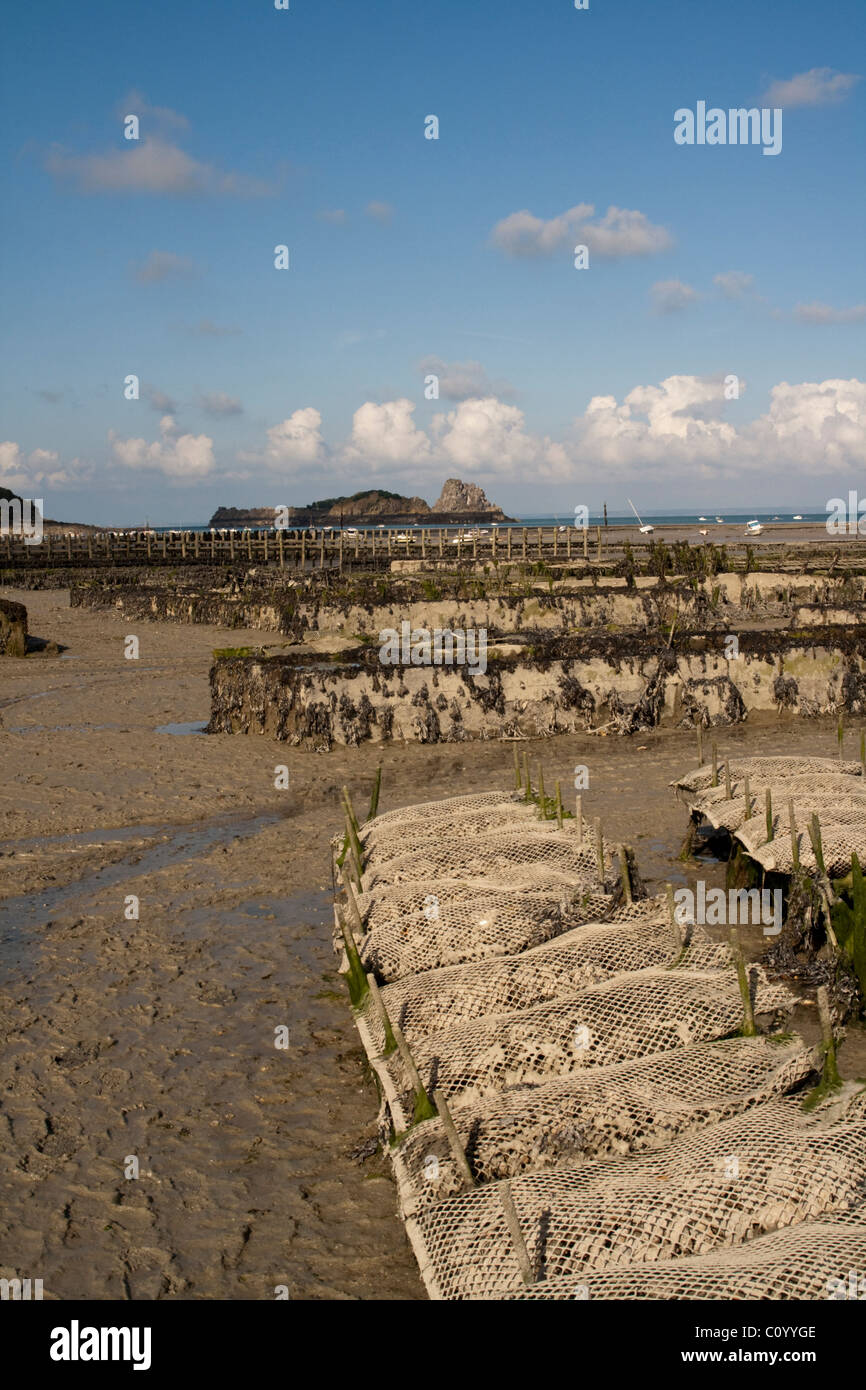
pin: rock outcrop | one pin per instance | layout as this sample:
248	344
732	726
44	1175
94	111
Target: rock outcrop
457	497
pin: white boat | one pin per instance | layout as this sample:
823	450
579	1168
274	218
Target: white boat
350	531
702	518
645	530
753	528
796	518
720	520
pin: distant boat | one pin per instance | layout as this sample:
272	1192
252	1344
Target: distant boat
796	518
702	518
644	530
720	520
753	528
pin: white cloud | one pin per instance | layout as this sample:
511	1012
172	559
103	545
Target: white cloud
163	265
297	440
489	437
152	166
734	284
672	296
218	403
180	456
380	212
386	434
460	381
336	216
817	87
824	313
38	469
135	104
620	232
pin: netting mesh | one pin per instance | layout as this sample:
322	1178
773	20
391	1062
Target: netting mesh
833	790
501	858
590	1055
611	1111
744	1177
627	1017
583	956
810	1261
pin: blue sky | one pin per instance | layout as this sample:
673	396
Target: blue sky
305	127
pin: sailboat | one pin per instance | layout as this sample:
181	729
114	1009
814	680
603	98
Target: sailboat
644	530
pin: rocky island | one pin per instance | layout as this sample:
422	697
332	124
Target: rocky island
457	503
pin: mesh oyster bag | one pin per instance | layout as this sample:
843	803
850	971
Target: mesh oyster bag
749	1175
629	1016
832	790
627	1108
810	1261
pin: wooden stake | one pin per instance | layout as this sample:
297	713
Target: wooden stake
355	856
578	816
715	781
516	769
515	1232
542	808
700	732
354	910
599	848
748	797
728	792
423	1109
453	1139
768	806
748	1030
795	839
357	980
527	784
814	828
559	805
829	1042
625	875
387	1029
374	796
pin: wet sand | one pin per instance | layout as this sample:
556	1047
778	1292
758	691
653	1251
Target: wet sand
155	1037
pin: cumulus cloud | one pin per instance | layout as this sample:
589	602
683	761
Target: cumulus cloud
218	403
180	456
297	440
672	296
151	166
734	284
817	87
380	212
386	434
490	437
825	313
458	381
39	469
620	232
162	265
136	104
159	400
